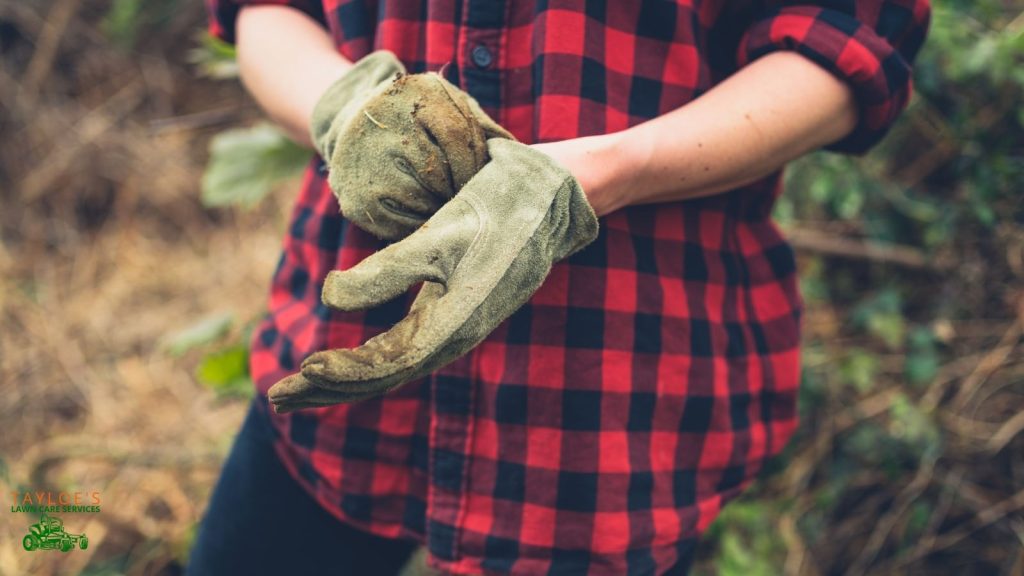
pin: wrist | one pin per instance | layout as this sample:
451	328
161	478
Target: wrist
605	168
617	155
603	165
344	92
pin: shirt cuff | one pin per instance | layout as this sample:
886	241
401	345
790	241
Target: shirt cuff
222	14
877	73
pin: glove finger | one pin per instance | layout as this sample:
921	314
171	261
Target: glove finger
389	197
380	278
415	144
428	254
296	392
391	358
393	207
491	128
453	129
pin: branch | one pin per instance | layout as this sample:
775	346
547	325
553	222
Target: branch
822	243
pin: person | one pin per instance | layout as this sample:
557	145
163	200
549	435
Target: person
602	427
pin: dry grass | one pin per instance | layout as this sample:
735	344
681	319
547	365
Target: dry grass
105	250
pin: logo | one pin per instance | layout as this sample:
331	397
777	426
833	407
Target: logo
49	534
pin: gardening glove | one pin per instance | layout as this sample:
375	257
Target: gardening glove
398	146
482	256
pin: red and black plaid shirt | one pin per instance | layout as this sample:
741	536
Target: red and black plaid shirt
602	427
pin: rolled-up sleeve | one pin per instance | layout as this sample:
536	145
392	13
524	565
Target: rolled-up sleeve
221	14
870	45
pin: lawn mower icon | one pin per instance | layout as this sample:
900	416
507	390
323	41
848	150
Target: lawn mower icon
49	534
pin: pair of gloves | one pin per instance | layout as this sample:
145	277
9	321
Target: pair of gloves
478	217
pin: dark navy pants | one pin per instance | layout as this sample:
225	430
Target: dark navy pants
261	522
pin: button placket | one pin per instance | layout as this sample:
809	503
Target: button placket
453	390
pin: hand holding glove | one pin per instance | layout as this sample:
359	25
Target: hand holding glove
482	256
398	146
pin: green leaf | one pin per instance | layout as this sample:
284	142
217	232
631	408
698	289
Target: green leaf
849	204
121	22
222	367
888	327
979	56
814	284
859	369
227	371
735	559
214	57
918	517
206	331
913	427
984	213
882	317
922	362
744	539
245	164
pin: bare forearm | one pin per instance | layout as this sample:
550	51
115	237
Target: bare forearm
776	109
286	60
770	112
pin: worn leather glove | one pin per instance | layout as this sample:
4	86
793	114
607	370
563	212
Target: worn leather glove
398	146
482	256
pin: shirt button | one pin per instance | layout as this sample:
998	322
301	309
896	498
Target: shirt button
482	57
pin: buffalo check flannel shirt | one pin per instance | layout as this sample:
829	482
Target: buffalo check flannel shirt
602	427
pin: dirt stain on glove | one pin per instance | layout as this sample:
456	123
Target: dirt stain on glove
415	145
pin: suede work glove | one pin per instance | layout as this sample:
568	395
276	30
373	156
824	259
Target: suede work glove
398	146
482	256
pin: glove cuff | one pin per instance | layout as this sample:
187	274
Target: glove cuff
350	92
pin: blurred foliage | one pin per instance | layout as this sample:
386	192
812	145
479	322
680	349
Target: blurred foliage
246	163
125	19
226	371
748	539
224	365
214	57
206	331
